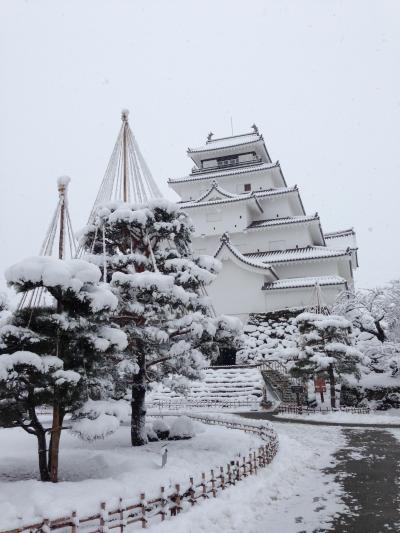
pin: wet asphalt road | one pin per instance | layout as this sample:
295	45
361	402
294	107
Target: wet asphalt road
368	468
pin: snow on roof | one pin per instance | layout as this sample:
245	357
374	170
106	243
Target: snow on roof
215	187
342	233
227	142
240	197
295	283
250	167
297	254
282	221
225	242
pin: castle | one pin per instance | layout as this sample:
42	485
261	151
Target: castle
273	253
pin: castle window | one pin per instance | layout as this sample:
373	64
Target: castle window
247	187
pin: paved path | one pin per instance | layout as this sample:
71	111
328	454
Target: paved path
265	415
368	469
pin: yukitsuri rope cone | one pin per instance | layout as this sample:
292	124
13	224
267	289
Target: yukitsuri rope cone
143	512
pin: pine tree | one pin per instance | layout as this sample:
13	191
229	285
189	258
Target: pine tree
146	255
55	353
325	349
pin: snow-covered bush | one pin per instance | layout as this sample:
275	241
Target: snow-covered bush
161	429
181	428
98	419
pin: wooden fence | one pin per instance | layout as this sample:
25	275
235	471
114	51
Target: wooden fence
168	503
299	410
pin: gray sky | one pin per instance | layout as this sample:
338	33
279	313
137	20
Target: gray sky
319	78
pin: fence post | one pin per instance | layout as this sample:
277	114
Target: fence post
192	492
222	477
250	464
74	522
203	485
163	504
45	526
213	483
229	472
121	515
103	517
178	498
143	506
244	466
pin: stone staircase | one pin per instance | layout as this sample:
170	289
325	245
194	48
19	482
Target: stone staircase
276	377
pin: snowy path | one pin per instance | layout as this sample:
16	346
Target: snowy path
294	494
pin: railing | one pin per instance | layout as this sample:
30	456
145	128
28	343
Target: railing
203	404
298	410
142	512
273	364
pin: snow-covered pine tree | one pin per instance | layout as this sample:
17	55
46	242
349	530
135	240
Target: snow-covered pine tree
145	253
55	354
325	349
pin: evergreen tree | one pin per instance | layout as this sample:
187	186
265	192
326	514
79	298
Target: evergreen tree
146	255
325	349
55	354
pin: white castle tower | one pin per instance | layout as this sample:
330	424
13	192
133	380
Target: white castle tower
273	253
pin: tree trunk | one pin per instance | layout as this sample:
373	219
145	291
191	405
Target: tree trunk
54	447
381	333
42	453
332	386
138	417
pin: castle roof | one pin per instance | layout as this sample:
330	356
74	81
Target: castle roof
245	261
227	142
295	283
298	254
255	195
218	173
338	234
282	221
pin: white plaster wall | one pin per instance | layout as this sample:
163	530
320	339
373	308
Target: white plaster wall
237	291
329	267
260	240
285	299
276	207
215	220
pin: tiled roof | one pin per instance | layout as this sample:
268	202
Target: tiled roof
295	283
225	241
227	142
215	187
282	221
337	234
297	254
251	167
240	197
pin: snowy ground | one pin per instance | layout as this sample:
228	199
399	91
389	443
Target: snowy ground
292	495
377	417
107	469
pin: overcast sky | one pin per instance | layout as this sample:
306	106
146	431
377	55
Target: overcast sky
321	79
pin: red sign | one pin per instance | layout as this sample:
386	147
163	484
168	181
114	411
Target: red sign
319	384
